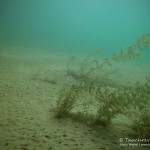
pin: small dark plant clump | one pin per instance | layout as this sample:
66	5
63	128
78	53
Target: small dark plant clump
67	100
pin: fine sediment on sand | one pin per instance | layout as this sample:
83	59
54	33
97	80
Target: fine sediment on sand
29	87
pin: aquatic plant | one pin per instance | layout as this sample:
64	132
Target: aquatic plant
97	103
107	103
111	103
67	100
142	123
139	108
71	69
90	64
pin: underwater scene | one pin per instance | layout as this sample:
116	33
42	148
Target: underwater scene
74	74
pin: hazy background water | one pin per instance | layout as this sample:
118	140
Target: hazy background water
73	25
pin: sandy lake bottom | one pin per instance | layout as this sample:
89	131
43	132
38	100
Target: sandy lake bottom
28	106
